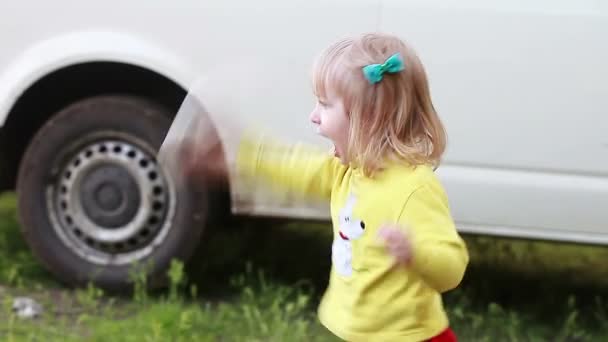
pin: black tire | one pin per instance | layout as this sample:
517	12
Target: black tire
84	160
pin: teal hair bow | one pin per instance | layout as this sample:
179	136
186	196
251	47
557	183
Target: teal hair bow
375	72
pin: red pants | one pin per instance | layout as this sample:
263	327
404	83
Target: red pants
446	336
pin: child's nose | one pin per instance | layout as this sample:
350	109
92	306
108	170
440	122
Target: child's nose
314	118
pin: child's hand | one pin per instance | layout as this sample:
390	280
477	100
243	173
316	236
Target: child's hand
397	242
203	164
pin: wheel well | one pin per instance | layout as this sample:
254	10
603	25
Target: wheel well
67	85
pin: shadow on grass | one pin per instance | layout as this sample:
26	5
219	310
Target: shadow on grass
288	252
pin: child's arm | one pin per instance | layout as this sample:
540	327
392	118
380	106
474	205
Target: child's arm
438	253
297	167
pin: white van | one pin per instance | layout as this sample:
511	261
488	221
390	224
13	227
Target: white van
88	91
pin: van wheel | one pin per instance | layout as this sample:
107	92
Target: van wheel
93	201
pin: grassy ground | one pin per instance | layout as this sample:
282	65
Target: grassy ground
261	281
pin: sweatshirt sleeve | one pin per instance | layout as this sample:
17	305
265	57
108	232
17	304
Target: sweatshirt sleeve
297	167
439	254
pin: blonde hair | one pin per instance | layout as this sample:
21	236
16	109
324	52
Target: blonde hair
393	118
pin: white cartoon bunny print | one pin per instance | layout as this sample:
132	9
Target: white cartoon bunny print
349	229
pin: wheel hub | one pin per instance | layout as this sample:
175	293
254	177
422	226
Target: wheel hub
112	203
110	195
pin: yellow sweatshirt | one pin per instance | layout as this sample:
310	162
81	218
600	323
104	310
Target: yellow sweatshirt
370	297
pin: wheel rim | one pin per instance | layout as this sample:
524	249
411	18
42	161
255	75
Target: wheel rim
111	203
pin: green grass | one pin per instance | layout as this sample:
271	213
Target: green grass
17	264
259	280
260	312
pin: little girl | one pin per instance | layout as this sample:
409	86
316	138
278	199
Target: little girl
395	247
